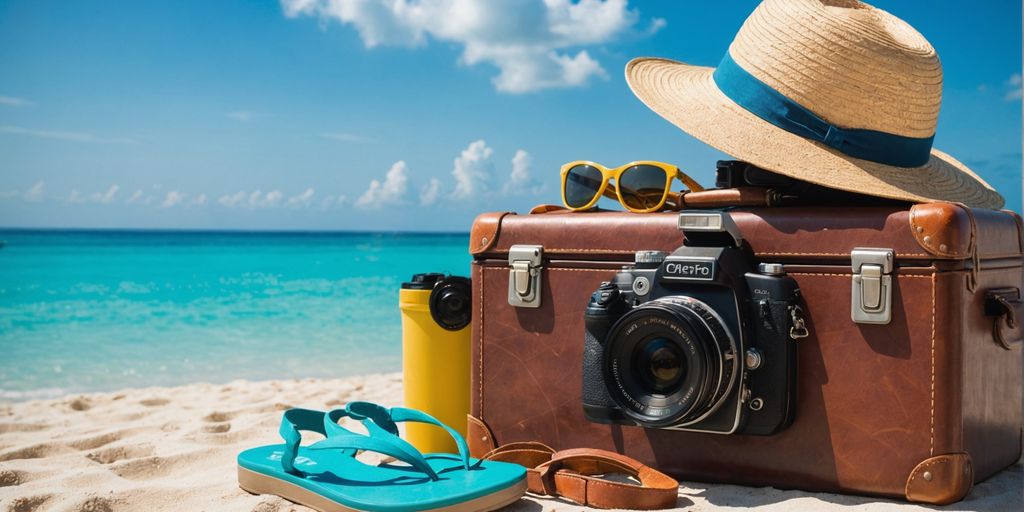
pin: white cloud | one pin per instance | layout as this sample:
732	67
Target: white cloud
520	180
1014	85
136	197
534	44
76	197
11	101
656	25
68	136
377	21
35	193
199	200
259	200
430	192
105	197
233	200
173	197
332	201
390	191
344	137
272	198
254	199
242	116
303	199
472	170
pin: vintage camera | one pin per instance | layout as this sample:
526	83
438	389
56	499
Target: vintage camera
790	191
703	339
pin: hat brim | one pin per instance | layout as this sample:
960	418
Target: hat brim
687	97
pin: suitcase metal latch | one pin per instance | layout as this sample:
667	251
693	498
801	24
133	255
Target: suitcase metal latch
871	302
524	281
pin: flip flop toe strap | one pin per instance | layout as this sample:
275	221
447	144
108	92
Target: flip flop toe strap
292	423
387	420
387	445
571	474
331	426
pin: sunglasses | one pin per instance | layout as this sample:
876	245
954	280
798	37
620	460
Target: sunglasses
641	187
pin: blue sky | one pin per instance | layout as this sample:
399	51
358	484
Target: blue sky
243	114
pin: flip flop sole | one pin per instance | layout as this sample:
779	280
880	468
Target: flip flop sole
258	483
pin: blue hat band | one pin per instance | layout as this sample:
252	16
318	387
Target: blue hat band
761	100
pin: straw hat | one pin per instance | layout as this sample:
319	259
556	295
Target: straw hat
835	92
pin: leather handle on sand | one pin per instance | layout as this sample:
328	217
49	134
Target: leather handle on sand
570	474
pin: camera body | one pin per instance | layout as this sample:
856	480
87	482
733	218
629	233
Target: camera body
702	339
790	191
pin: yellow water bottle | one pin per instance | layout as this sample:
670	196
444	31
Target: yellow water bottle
435	356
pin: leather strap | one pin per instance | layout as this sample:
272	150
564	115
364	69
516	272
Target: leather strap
725	197
547	208
572	475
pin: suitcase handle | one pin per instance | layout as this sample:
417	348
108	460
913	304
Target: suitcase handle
1006	308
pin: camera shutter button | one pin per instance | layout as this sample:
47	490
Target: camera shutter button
649	256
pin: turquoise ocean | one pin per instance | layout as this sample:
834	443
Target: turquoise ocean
88	311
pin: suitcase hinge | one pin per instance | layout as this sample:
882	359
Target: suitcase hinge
871	302
524	281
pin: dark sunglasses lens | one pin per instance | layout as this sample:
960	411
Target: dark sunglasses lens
642	186
582	183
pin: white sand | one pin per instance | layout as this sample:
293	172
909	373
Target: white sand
174	449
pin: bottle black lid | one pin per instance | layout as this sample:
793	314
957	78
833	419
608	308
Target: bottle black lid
423	281
451	303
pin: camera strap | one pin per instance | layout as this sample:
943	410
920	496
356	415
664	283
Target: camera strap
572	475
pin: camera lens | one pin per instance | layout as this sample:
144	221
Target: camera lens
670	362
660	363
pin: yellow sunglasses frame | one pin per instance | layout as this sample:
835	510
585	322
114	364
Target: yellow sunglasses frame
608	174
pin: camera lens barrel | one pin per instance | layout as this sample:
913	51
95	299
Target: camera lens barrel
669	362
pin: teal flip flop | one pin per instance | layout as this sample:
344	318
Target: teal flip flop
327	477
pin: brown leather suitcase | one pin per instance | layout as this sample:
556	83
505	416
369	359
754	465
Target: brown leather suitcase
918	408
